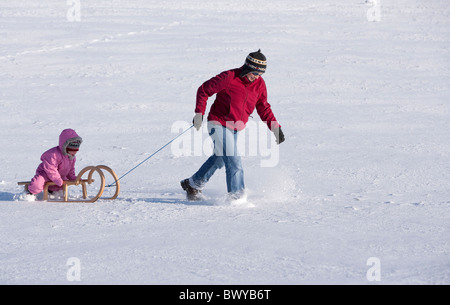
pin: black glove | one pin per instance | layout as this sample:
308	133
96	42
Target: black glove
279	135
197	121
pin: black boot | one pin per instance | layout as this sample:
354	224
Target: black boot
192	194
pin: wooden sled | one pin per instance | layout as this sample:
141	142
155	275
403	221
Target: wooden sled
92	169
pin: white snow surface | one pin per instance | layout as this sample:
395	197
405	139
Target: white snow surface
364	171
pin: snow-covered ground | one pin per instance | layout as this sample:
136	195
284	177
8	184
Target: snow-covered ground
359	192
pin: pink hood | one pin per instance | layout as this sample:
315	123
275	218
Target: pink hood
67	136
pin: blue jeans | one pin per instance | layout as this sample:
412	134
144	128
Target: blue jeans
225	153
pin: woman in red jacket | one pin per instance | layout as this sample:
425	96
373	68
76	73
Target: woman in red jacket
238	92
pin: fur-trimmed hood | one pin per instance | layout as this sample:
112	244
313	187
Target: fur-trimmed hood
66	137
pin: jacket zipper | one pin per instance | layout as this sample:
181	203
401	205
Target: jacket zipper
245	104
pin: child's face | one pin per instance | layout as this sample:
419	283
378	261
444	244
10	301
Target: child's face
72	152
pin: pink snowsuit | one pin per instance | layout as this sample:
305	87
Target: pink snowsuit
57	165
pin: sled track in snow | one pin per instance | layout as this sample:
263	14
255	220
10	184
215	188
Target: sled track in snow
106	39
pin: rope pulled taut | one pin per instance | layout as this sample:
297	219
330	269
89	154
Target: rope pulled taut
115	182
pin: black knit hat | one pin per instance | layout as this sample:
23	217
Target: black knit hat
255	62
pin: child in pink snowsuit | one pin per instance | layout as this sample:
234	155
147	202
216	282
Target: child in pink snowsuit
58	163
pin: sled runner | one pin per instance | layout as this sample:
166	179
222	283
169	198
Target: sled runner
92	169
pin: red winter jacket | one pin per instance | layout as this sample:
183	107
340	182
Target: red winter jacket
236	99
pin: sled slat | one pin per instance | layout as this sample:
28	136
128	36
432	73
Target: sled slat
65	187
